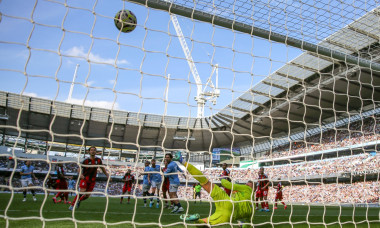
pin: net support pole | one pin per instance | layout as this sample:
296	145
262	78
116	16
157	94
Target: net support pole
255	31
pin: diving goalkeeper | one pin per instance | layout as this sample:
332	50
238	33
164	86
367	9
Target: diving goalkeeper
239	205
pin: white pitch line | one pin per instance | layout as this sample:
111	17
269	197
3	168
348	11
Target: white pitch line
119	213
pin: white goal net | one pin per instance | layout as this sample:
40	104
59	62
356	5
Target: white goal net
278	98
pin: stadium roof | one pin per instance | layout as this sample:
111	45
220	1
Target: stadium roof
304	93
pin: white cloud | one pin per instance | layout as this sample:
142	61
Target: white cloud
111	82
30	94
34	95
98	104
79	52
90	83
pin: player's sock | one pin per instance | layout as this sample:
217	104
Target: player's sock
57	195
283	203
121	199
266	205
24	192
201	221
75	200
33	192
144	194
275	204
83	197
152	197
157	199
129	198
262	205
197	174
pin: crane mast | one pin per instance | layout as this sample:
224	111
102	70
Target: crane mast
201	93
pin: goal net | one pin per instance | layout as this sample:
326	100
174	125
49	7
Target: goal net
278	98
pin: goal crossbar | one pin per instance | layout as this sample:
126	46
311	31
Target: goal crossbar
256	31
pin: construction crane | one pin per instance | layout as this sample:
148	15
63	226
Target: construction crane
202	95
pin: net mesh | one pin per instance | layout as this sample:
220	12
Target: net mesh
71	80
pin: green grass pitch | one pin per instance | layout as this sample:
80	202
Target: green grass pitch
36	214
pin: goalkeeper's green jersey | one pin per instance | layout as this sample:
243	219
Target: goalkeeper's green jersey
242	193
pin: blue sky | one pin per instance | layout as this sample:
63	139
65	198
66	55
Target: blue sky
143	57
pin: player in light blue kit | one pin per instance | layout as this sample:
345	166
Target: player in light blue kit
26	179
71	185
146	183
172	172
155	181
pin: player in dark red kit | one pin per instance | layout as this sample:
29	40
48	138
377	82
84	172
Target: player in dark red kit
278	195
165	187
61	184
226	175
129	181
88	176
262	190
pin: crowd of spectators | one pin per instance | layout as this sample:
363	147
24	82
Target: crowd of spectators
359	192
354	164
357	132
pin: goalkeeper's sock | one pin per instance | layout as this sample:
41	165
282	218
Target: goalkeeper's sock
201	221
197	174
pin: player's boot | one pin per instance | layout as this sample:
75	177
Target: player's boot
24	200
285	207
178	157
157	205
54	200
166	206
151	204
71	207
175	209
190	218
144	204
179	210
78	204
170	207
34	198
267	210
275	208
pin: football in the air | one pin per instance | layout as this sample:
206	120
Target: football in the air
125	21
